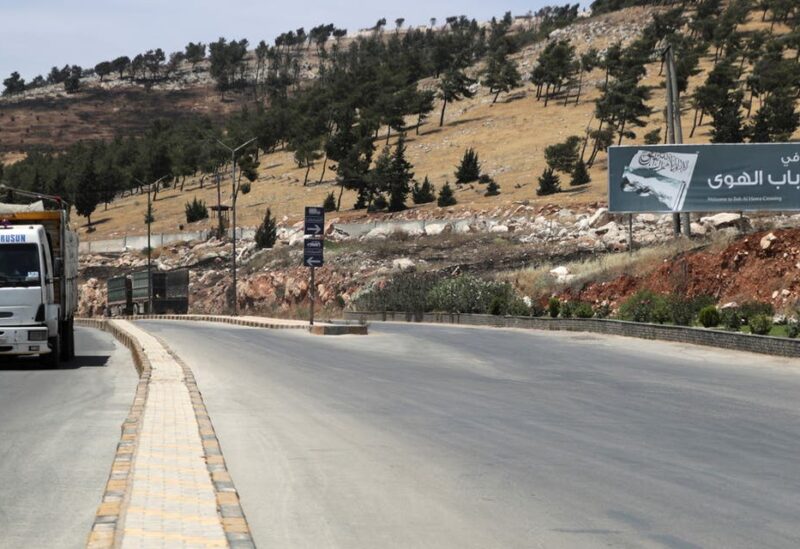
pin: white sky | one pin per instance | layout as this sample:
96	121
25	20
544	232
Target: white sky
38	34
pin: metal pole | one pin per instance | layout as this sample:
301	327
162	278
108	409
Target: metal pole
630	233
676	113
313	296
233	226
676	218
149	252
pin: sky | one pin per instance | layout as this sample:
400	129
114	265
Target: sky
39	34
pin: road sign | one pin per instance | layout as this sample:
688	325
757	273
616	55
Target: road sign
314	221
313	253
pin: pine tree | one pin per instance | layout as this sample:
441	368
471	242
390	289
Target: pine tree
267	233
562	156
454	86
580	175
86	190
777	120
549	183
422	194
501	74
728	125
470	168
330	202
446	197
401	176
492	189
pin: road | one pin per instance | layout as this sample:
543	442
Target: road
433	436
58	433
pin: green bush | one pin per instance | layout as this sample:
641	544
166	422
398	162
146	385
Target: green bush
681	310
469	294
470	167
196	210
760	324
553	307
245	187
729	317
329	205
792	328
583	310
709	316
407	292
749	309
641	306
602	311
568	309
267	232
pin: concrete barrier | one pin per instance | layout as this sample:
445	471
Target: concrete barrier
735	341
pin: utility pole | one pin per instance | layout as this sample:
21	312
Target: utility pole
675	131
234	192
149	220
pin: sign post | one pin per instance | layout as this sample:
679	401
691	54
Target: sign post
313	246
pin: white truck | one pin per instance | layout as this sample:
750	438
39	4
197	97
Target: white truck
38	280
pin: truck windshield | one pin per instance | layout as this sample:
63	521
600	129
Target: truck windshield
19	265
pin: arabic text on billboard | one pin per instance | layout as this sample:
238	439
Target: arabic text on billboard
704	178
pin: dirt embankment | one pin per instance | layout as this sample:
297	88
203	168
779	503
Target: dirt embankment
763	266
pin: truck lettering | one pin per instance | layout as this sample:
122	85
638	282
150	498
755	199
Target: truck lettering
11	238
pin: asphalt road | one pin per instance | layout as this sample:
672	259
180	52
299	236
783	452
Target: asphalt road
58	433
431	436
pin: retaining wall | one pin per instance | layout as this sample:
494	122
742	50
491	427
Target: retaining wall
697	336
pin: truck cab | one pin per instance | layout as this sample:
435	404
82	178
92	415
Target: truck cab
38	283
27	309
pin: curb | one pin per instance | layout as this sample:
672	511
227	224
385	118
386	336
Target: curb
317	329
107	525
107	520
234	522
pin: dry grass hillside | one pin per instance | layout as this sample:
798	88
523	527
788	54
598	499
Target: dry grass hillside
510	137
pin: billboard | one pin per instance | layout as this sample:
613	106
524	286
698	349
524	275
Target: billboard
704	178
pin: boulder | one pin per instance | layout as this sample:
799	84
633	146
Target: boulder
609	227
499	229
432	229
767	240
599	217
699	229
403	264
725	220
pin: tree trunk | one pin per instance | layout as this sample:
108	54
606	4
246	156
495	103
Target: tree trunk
419	122
546	95
441	118
324	166
495	97
388	134
308	169
694	123
621	132
341	192
580	87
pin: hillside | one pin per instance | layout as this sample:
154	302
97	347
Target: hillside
510	137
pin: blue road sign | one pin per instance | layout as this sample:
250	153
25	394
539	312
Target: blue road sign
314	221
313	253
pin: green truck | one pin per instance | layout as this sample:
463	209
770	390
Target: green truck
132	295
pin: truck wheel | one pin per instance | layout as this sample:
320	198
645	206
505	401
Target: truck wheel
53	358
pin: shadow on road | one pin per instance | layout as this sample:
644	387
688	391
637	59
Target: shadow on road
33	363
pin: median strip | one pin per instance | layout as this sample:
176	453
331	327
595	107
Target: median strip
169	482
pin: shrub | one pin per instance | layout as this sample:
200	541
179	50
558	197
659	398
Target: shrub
492	189
749	309
379	203
405	292
792	328
196	210
469	294
553	307
580	175
681	310
423	194
245	187
602	311
506	303
446	197
484	179
641	306
329	205
583	310
470	168
568	309
730	318
267	232
549	183
708	316
562	156
760	324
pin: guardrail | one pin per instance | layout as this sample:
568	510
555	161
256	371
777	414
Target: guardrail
697	336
